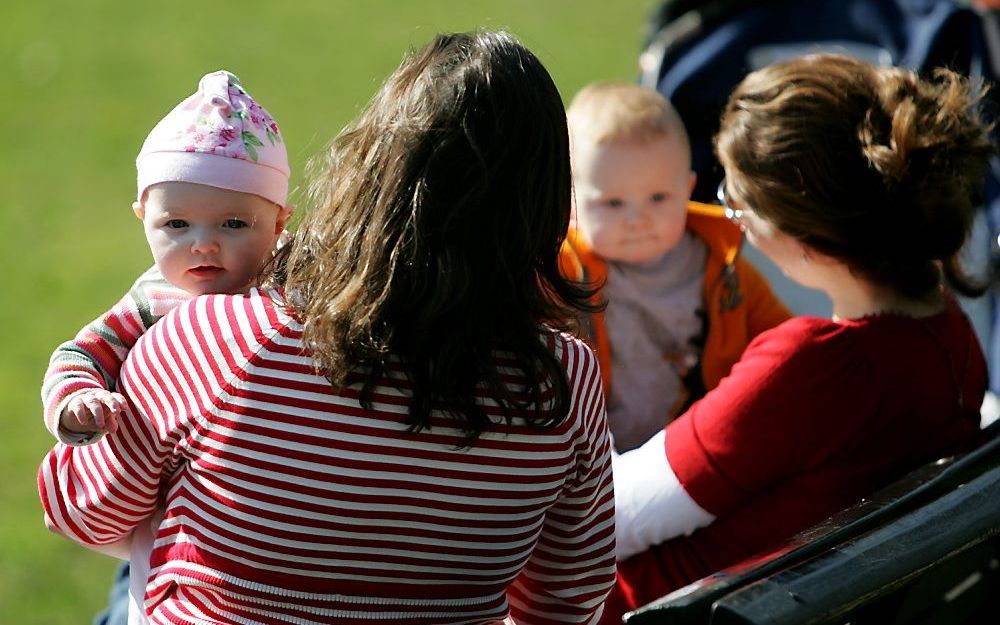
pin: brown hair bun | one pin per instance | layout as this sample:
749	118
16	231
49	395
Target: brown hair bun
876	167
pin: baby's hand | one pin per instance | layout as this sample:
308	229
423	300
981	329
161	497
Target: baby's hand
94	410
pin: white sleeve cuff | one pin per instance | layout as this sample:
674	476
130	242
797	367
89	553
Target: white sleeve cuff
78	439
651	506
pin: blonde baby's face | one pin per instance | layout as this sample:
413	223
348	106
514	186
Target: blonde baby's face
631	197
209	240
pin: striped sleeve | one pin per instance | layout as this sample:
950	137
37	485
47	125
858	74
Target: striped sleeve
97	494
93	359
572	568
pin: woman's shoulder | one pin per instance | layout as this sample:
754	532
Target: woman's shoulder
804	361
218	303
806	331
222	333
566	345
578	358
222	317
806	343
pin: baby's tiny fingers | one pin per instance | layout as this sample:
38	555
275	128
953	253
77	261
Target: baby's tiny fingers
115	402
108	401
96	411
77	412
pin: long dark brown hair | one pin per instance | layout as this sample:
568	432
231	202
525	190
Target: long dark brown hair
875	167
432	234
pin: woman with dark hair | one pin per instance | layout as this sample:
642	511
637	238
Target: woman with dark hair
855	181
397	431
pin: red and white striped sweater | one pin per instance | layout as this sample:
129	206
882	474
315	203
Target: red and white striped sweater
287	502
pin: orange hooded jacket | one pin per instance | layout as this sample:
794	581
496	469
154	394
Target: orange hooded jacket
738	301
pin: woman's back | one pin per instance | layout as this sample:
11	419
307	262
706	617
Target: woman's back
841	408
836	411
287	499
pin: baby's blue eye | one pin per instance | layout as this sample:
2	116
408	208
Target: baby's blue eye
615	203
234	223
658	197
177	223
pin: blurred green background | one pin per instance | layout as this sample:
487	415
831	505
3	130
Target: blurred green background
81	85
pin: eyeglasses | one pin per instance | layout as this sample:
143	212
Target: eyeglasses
734	215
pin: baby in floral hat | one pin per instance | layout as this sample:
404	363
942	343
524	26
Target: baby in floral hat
212	197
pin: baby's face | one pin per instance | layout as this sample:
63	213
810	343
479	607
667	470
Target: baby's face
209	240
631	198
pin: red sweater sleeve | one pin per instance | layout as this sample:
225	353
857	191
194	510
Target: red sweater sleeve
571	569
781	410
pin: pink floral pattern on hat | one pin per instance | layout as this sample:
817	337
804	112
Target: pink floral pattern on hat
220	120
214	132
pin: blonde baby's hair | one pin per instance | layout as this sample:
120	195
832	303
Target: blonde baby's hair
613	112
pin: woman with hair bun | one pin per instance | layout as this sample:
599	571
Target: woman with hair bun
856	181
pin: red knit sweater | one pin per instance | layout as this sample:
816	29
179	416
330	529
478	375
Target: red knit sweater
816	415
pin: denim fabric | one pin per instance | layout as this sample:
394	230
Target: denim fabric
117	611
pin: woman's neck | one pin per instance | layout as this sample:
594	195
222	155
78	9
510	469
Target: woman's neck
855	298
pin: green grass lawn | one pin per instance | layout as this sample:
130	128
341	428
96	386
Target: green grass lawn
83	82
